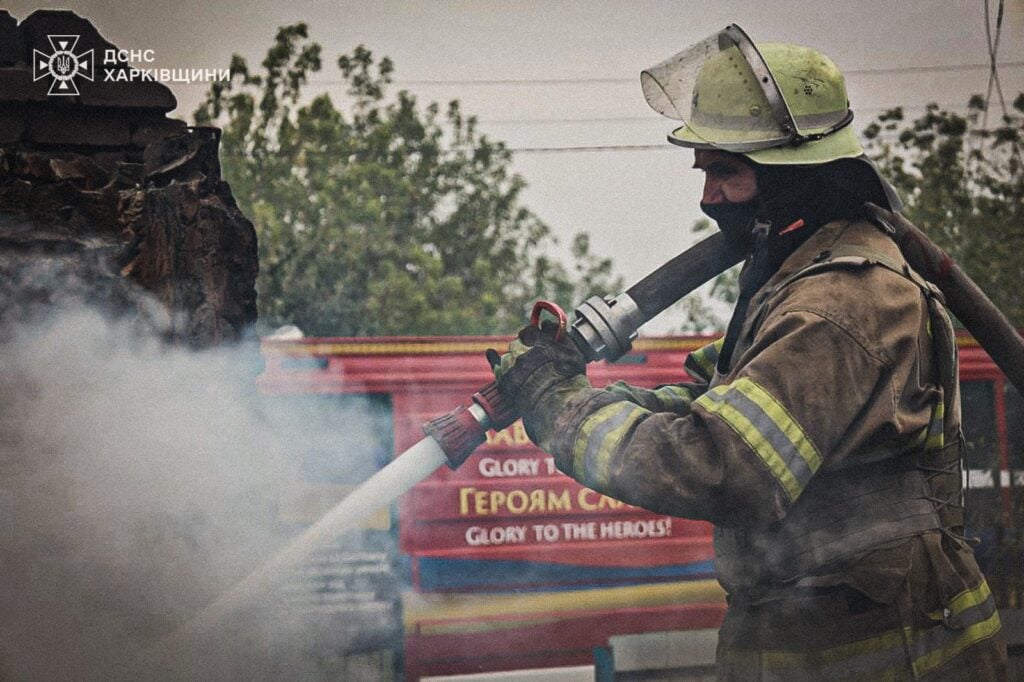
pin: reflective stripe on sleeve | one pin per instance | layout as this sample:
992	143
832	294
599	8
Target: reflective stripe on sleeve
701	362
599	437
767	427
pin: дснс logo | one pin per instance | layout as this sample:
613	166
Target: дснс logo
63	65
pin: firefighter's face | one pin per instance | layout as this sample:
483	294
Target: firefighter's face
727	179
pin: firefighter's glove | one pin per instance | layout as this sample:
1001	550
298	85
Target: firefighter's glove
538	376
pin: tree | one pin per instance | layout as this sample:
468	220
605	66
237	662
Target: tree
963	184
382	217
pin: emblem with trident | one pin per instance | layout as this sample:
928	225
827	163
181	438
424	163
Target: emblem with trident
62	65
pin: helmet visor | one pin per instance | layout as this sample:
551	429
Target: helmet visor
724	94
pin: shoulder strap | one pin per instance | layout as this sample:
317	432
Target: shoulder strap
853	256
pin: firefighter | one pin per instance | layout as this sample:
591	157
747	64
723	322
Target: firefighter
821	434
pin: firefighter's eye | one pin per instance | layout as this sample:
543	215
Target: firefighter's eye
722	171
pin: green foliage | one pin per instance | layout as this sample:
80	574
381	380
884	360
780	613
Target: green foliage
963	184
382	217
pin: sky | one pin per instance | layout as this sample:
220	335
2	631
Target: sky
552	77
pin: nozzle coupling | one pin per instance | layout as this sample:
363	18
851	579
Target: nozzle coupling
604	328
464	429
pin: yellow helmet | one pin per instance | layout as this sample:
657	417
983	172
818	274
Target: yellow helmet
777	103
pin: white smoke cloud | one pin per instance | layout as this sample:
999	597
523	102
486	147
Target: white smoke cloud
138	482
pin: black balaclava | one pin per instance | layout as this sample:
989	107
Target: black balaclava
792	203
735	221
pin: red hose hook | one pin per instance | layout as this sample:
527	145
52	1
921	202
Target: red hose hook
554	309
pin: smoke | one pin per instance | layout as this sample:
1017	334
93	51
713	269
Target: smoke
138	482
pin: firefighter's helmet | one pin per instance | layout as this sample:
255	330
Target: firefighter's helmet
776	103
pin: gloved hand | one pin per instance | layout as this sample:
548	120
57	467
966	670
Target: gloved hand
538	375
534	362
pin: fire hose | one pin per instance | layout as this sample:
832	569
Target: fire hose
604	328
964	298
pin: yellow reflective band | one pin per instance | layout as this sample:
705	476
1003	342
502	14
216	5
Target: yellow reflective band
974	603
967	638
601	456
703	360
769	429
783	419
750	435
936	438
598	439
963	601
969	598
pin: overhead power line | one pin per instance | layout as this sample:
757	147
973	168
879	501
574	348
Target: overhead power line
993	74
594	148
661	120
993	48
924	68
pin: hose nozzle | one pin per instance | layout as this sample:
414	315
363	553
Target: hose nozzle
464	429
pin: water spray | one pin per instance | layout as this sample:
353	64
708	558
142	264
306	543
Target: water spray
379	491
